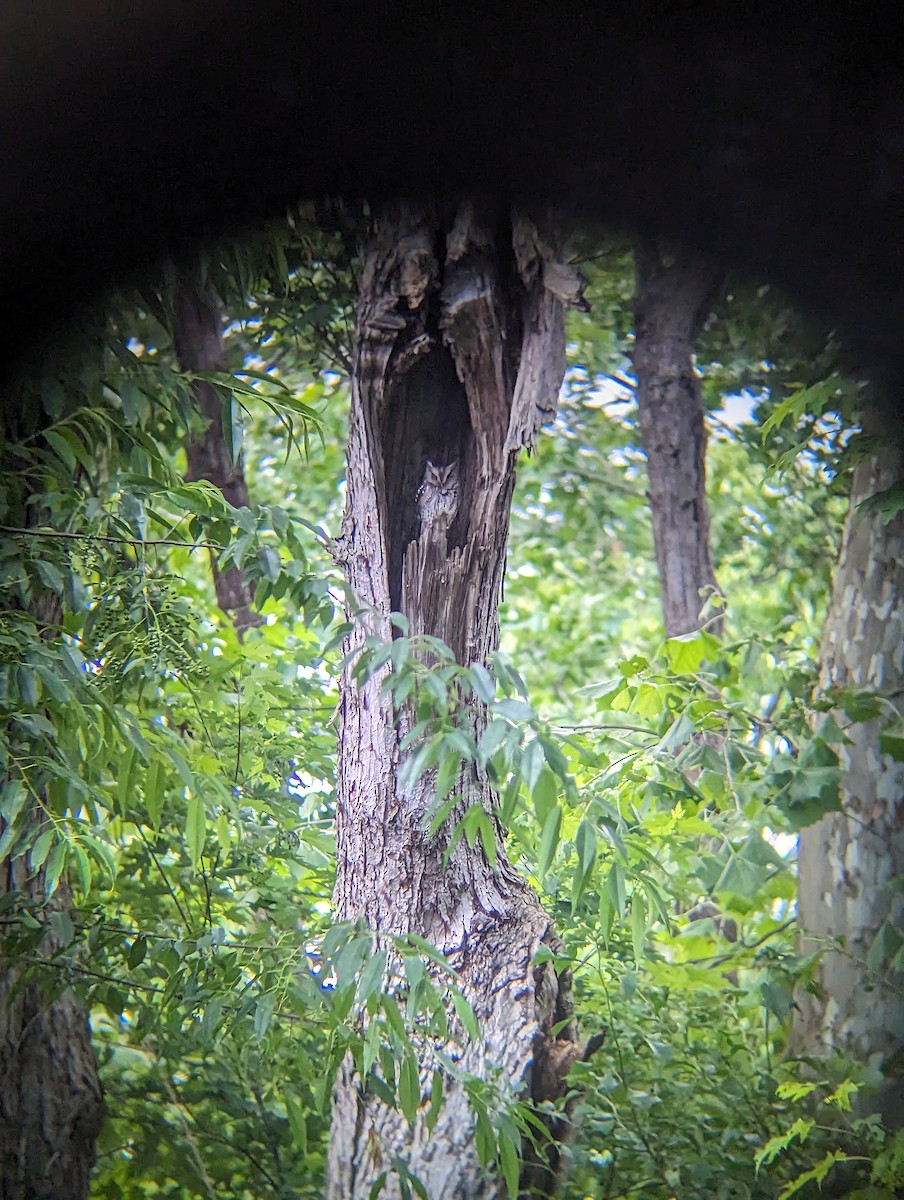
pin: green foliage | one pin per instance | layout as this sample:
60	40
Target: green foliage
180	780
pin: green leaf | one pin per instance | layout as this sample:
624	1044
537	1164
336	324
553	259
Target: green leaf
50	575
549	840
585	848
554	757
687	652
371	978
153	792
638	924
466	1015
41	848
532	762
818	1173
195	829
12	800
436	1101
886	504
62	448
370	1050
483	683
544	793
841	1097
55	866
137	953
510	1163
616	888
263	1013
515	710
799	1130
446	775
377	1186
409	1087
492	738
82	868
487	833
441	814
233	425
298	1125
125	786
891	741
270	563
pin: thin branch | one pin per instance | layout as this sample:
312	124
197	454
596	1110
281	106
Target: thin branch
187	1121
100	537
225	1141
78	969
166	882
717	960
622	381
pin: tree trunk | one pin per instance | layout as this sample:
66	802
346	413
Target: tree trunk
51	1105
459	357
670	306
51	1101
849	903
198	342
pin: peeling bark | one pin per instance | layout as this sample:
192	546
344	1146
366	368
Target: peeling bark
670	306
849	860
198	342
460	353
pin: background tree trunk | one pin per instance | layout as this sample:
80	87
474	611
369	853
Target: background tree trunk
51	1101
459	357
850	861
51	1105
198	342
670	306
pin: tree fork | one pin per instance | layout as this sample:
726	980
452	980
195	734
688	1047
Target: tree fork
459	358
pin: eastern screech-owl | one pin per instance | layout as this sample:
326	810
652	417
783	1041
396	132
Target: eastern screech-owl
437	498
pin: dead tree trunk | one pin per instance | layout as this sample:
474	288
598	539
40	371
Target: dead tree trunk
848	903
670	306
459	358
198	342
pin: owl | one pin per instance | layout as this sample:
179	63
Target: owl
437	498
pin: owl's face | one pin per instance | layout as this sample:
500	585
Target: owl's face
442	479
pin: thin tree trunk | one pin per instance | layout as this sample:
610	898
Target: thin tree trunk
670	306
460	355
51	1100
849	904
198	342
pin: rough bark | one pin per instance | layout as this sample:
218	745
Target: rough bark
849	860
51	1100
198	342
670	306
459	357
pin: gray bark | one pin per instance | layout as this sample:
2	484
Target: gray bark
198	342
670	306
51	1100
51	1104
849	860
459	357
